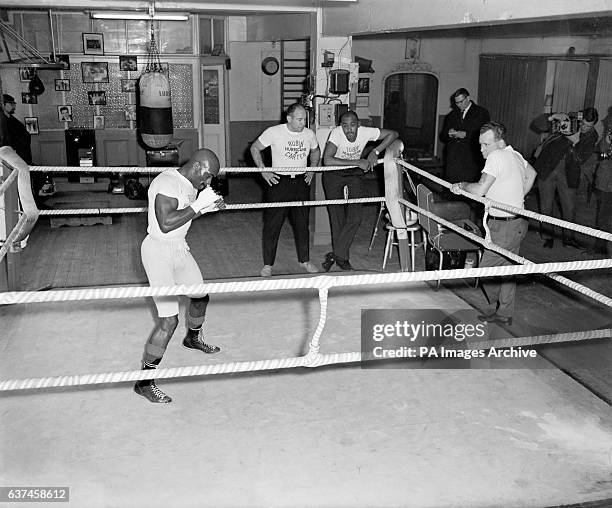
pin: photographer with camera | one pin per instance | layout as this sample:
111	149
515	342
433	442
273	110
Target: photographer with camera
558	164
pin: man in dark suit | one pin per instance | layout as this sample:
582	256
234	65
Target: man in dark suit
460	134
17	136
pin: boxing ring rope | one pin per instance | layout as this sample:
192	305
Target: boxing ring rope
312	359
241	206
508	208
321	283
310	282
486	242
160	169
514	257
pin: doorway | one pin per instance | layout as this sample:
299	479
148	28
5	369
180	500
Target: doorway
410	108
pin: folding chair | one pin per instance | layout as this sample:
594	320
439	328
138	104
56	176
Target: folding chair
445	241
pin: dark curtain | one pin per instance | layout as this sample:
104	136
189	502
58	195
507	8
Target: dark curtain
512	88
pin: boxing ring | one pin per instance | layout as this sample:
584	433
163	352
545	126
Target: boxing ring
322	284
389	392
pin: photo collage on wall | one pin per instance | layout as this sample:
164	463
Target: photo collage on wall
96	91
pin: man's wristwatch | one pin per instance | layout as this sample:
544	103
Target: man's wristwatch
376	152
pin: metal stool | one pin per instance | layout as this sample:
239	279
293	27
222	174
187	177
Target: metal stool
392	240
381	210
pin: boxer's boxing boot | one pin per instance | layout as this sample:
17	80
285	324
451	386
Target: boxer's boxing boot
147	387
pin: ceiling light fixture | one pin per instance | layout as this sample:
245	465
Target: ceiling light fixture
151	14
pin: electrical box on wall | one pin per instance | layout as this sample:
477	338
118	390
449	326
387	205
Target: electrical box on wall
326	115
329	114
339	81
328	59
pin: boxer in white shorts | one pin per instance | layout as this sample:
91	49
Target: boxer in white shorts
173	203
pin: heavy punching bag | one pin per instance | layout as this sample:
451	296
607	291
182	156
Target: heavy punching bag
155	109
154	106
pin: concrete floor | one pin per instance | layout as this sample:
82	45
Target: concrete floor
333	436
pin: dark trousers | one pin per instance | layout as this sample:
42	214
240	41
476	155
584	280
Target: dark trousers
501	290
344	219
557	181
287	189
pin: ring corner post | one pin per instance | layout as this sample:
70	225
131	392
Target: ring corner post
15	199
9	264
394	190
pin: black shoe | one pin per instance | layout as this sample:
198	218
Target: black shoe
195	342
344	264
495	318
149	391
549	244
328	261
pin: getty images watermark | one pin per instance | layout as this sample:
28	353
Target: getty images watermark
435	339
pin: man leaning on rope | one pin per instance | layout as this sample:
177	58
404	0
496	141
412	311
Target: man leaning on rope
506	178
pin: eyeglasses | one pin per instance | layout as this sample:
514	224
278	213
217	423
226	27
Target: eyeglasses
459	101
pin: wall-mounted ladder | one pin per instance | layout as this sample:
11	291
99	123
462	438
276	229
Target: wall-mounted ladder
295	68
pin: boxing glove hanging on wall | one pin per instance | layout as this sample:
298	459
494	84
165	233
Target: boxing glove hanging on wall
36	86
154	105
155	109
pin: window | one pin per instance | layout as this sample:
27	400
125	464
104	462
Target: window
70	28
173	37
212	36
115	40
36	30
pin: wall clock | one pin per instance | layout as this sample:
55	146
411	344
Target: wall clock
270	65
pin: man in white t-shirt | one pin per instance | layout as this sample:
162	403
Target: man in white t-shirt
292	144
506	178
173	203
345	147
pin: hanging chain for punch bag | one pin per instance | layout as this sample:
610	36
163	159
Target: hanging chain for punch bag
153	61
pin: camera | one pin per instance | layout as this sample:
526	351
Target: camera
565	123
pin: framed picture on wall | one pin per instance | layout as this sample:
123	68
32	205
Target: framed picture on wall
28	98
413	49
363	85
128	63
93	44
98	122
94	72
97	98
128	85
62	85
362	101
31	124
26	74
129	110
64	113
